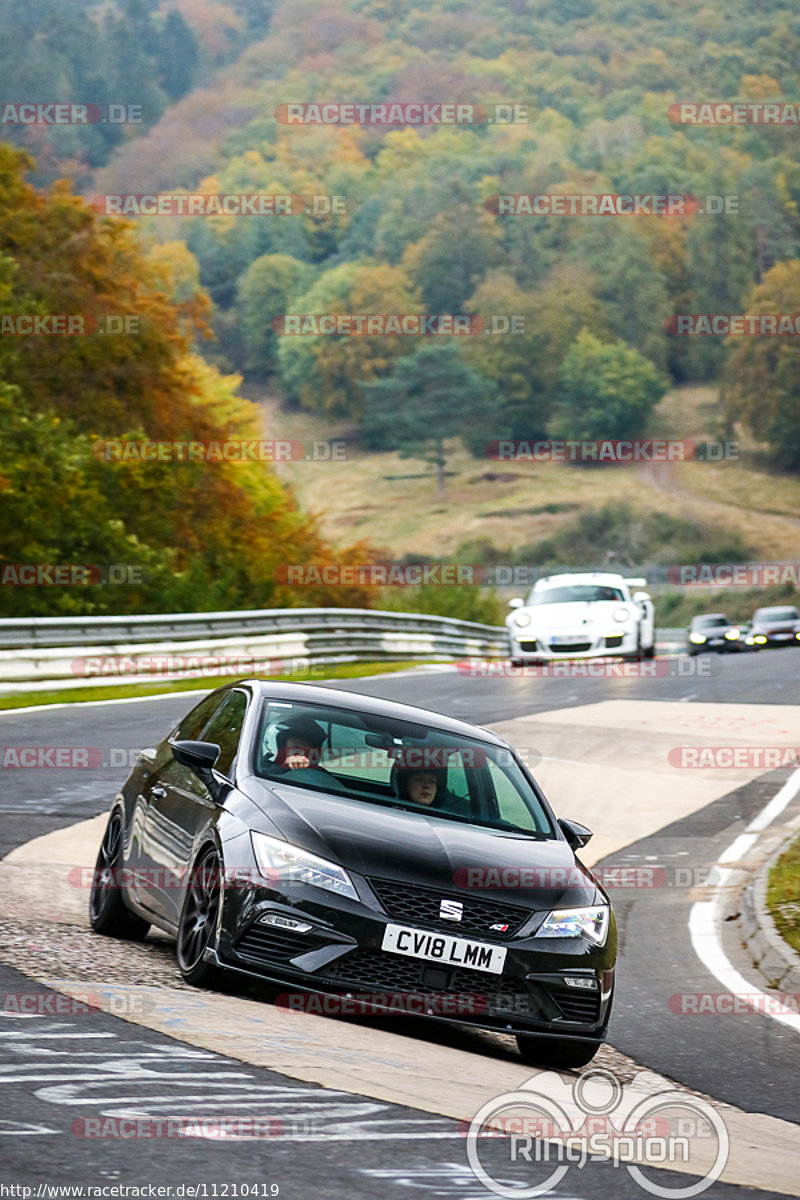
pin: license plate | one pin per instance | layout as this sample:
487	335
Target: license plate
442	948
569	639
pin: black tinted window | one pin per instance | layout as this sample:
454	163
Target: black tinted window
193	723
225	728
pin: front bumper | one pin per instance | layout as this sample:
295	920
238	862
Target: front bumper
783	638
545	646
564	989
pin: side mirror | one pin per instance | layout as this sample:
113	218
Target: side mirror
640	597
198	756
577	835
516	602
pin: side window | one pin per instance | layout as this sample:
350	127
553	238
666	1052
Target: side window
225	728
510	805
193	723
457	776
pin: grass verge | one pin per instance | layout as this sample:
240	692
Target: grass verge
125	691
783	895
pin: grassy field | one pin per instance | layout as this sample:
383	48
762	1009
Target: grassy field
125	691
783	895
393	503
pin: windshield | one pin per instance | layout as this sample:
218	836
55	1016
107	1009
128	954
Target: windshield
575	593
710	622
778	614
397	763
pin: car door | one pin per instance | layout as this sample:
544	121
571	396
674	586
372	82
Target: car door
150	786
182	808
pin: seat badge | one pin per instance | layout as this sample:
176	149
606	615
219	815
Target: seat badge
451	910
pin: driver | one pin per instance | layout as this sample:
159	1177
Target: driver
299	744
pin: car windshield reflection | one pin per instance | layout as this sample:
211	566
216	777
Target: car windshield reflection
386	762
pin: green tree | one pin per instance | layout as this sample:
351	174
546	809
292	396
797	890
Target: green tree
326	373
762	374
606	390
432	396
265	291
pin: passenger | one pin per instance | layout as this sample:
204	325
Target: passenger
428	786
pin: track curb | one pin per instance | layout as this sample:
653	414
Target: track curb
774	959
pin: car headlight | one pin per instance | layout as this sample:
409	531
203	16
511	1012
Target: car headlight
292	865
591	923
759	639
697	638
522	618
731	635
621	614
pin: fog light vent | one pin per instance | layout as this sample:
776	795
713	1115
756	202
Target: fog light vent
285	922
581	981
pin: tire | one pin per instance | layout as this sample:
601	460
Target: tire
650	652
108	913
557	1053
198	921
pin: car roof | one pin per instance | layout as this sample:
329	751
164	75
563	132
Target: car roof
707	616
314	693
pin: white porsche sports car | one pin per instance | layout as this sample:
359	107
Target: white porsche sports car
585	615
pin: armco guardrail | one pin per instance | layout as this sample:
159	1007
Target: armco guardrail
41	651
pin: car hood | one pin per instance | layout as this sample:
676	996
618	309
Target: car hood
579	613
375	840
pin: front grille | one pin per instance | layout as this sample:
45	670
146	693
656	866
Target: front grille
269	944
376	971
614	639
528	646
420	906
570	647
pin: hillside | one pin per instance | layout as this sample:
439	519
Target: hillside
393	502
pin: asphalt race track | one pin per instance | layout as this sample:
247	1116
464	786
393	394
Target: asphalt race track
61	1069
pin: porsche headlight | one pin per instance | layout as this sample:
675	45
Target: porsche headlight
522	618
697	638
590	923
621	614
280	863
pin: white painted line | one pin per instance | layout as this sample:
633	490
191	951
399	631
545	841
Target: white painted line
11	712
705	914
5	712
703	931
777	804
738	848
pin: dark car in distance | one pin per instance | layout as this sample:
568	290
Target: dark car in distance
713	631
343	845
777	625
